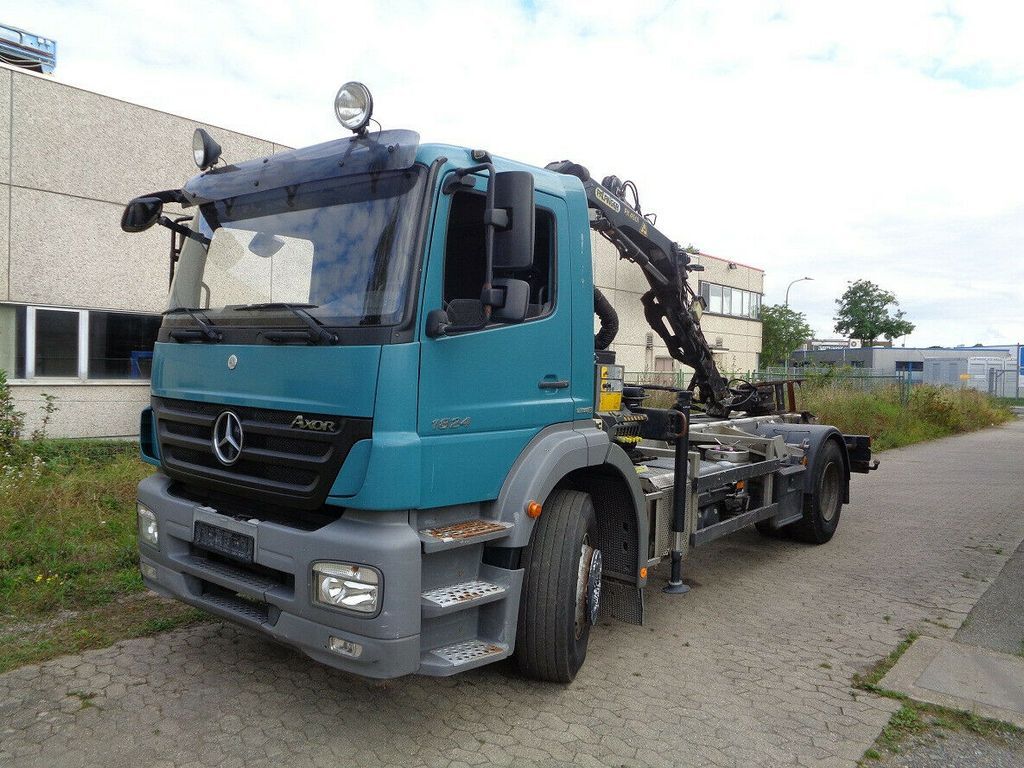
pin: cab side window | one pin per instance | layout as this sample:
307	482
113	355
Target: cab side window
464	256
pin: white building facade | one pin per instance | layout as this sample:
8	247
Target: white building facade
733	293
79	299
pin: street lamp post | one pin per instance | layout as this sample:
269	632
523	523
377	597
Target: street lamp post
798	280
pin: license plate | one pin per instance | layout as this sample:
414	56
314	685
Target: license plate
237	546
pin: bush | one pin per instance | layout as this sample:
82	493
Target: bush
930	411
18	456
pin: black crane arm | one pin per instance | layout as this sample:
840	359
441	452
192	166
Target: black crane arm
668	305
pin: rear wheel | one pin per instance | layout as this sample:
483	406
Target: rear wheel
823	505
562	571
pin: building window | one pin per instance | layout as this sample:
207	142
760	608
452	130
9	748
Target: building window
121	345
735	302
45	342
909	365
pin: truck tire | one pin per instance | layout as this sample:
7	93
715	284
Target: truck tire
823	505
551	638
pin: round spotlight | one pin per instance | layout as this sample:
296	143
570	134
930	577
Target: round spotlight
205	151
353	106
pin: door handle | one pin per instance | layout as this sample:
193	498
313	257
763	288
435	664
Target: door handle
553	384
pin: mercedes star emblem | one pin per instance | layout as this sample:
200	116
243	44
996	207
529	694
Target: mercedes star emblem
227	438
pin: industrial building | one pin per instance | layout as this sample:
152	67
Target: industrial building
997	370
733	293
80	299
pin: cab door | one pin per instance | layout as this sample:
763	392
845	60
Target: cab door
484	394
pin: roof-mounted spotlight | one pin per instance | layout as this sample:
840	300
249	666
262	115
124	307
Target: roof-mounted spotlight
205	150
353	106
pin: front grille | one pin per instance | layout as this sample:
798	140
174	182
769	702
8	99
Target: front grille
278	463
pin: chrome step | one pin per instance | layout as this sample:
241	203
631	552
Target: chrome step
454	597
457	657
462	534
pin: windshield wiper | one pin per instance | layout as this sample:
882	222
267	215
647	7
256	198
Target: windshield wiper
208	333
317	332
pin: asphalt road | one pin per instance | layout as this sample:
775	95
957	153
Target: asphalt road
997	621
751	668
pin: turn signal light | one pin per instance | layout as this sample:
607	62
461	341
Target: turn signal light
533	509
643	573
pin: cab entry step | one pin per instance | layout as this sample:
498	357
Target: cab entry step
459	596
461	534
449	659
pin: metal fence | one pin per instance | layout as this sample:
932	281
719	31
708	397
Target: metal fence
863	379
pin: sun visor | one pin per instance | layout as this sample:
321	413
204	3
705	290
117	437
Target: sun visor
382	151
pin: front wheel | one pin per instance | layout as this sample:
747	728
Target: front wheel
561	588
823	505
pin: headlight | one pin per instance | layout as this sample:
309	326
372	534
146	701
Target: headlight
343	585
353	106
149	531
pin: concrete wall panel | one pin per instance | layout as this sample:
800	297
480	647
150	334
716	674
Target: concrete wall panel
5	125
603	257
5	227
86	410
76	142
66	251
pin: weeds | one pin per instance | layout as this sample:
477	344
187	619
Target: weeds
893	416
931	412
869	680
94	628
915	717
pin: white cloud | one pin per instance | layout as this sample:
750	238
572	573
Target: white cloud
878	141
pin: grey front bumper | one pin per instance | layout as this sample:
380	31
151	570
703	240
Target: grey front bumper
278	601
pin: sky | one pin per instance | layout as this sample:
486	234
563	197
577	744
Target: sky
832	140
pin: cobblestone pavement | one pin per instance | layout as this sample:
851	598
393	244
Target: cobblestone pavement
752	668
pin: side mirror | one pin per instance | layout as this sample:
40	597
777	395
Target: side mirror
462	315
516	295
513	244
141	214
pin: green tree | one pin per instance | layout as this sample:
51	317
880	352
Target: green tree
782	331
869	312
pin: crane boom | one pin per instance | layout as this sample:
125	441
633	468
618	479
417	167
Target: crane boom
668	305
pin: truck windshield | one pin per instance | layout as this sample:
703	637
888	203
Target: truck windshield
344	247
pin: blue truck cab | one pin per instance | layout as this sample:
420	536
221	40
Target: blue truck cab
376	415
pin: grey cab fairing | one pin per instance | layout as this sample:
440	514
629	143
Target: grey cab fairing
553	454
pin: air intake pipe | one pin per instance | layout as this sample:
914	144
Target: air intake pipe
609	321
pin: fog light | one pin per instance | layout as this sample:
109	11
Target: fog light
344	585
149	531
148	571
344	647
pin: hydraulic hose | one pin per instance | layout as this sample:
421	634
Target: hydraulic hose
609	321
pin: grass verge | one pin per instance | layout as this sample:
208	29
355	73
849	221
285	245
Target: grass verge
69	577
915	717
928	413
99	627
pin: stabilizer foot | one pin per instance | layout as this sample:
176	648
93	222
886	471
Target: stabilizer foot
675	589
675	584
